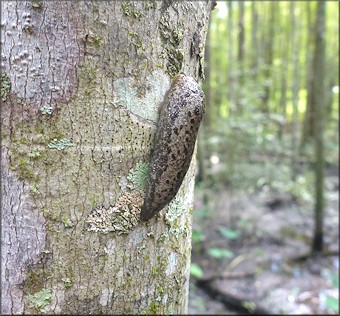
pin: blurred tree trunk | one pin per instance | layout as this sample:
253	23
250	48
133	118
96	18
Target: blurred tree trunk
319	106
240	57
308	123
241	38
231	60
268	55
295	89
254	40
81	84
285	49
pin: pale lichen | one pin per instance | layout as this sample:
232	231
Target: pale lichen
60	144
176	208
120	218
137	176
40	299
46	110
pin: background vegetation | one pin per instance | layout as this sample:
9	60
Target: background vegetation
259	73
272	118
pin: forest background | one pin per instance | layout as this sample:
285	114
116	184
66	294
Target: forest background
269	145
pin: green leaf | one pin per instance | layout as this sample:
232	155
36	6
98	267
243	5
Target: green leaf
196	271
333	277
335	280
228	233
197	236
332	303
219	253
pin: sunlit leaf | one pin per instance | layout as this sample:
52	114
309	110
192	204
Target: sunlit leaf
196	271
219	253
197	236
333	277
335	280
332	303
228	233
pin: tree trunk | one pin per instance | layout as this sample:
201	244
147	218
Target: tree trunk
320	106
285	49
254	40
268	56
231	67
240	57
81	85
295	90
241	39
309	120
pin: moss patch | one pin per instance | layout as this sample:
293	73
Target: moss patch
5	86
171	38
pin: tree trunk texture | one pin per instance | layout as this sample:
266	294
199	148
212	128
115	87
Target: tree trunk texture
254	40
295	91
240	57
268	46
320	111
309	120
231	60
81	85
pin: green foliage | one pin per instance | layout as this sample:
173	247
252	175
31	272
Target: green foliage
40	299
197	236
249	125
219	253
228	233
332	304
196	271
302	188
203	212
332	301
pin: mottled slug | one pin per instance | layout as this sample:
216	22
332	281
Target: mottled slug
180	116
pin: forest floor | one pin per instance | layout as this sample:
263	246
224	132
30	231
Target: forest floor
270	270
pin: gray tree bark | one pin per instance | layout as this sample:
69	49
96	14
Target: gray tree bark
80	86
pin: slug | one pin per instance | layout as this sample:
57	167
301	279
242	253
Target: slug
180	116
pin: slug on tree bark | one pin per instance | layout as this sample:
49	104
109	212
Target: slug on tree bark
180	116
